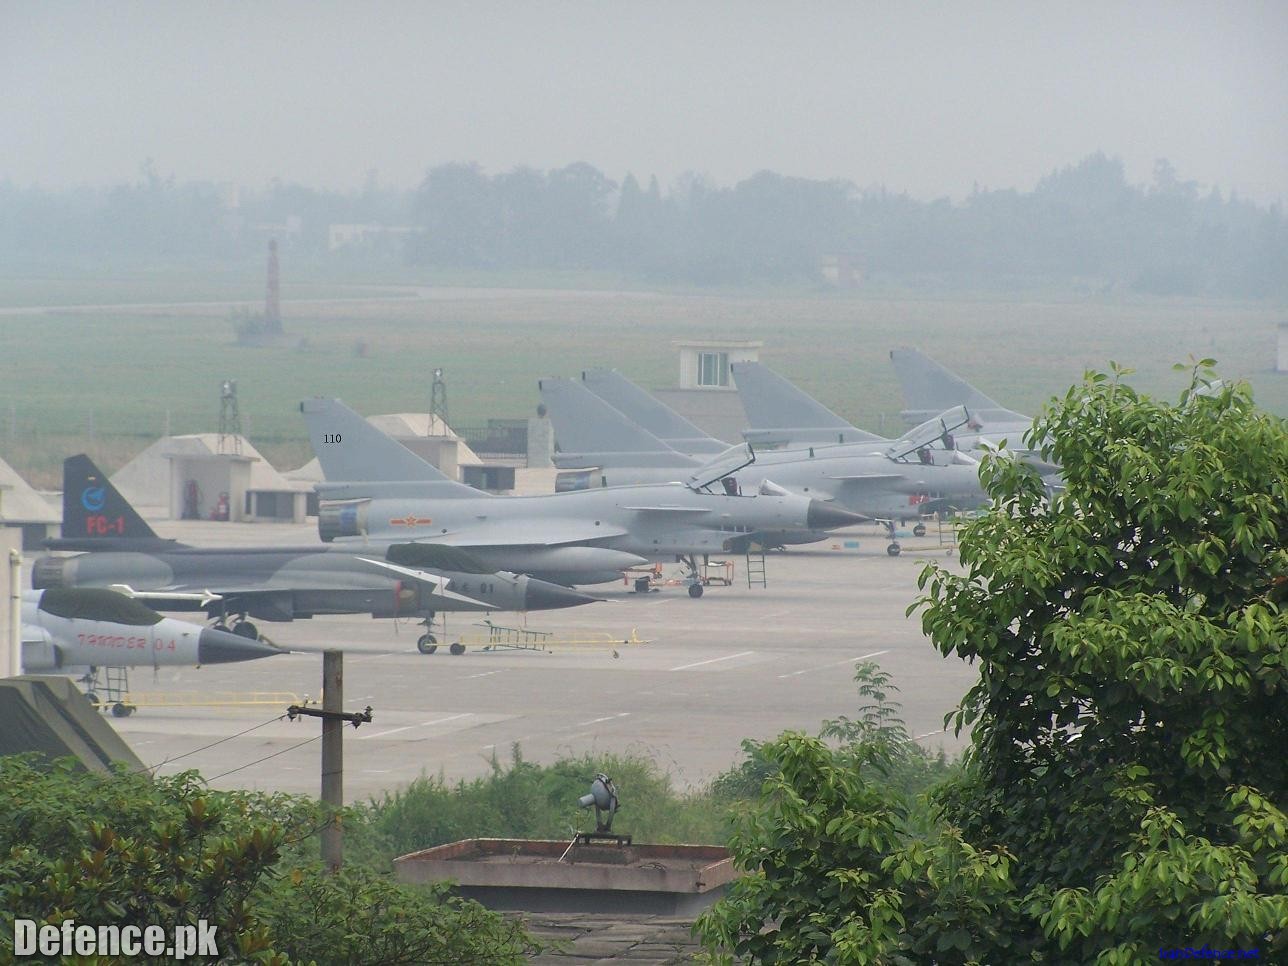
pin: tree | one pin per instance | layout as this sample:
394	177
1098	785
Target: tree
1125	787
1130	717
836	868
126	849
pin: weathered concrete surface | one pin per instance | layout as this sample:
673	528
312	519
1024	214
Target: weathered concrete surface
546	875
737	663
613	939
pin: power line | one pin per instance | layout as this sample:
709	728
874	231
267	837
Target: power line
265	758
219	742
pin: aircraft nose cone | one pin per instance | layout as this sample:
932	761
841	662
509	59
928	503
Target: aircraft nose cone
828	516
224	647
543	595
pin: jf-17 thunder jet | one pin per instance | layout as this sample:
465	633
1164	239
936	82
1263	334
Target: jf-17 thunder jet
885	482
398	579
377	489
74	630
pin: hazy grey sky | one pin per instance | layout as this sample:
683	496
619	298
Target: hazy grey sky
924	97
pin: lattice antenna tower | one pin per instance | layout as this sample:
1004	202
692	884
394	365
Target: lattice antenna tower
438	404
230	430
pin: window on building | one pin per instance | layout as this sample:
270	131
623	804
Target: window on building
713	368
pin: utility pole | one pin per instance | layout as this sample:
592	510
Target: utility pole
332	757
15	612
11	604
333	721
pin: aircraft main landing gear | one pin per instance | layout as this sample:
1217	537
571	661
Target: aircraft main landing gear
919	530
695	590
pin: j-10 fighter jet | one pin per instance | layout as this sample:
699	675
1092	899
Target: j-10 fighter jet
652	415
926	385
882	481
783	417
231	585
388	492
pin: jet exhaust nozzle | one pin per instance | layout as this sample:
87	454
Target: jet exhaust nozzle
49	572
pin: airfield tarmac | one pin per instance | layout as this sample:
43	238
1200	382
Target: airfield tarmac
738	663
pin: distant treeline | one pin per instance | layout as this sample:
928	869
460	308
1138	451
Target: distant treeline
1083	224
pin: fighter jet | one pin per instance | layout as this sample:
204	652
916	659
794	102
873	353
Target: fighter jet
929	388
65	627
395	579
886	482
782	417
84	630
597	440
97	517
649	413
389	492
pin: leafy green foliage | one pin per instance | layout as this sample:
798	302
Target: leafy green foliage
129	850
905	766
1125	789
360	917
844	862
1130	717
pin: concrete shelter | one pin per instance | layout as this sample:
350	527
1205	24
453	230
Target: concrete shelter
22	508
189	478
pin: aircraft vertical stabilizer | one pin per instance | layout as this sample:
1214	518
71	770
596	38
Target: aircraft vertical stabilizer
778	412
96	516
929	388
643	408
590	432
351	450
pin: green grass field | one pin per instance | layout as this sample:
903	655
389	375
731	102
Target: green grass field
108	380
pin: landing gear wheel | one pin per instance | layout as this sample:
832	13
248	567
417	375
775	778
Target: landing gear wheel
894	550
120	710
695	591
642	585
247	630
92	697
219	626
457	648
427	644
919	530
